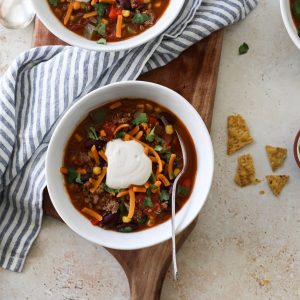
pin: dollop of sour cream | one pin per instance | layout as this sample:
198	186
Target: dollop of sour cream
127	164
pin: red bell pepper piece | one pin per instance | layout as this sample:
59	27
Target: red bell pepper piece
114	12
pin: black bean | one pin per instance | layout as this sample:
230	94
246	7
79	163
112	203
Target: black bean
125	4
110	219
85	177
165	118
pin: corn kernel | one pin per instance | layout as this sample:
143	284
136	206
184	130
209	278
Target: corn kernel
96	170
125	13
169	129
157	4
176	172
125	219
76	5
147	1
78	137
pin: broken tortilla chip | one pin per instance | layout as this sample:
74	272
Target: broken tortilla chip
245	173
277	183
238	134
276	156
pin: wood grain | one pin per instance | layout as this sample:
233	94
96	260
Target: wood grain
193	75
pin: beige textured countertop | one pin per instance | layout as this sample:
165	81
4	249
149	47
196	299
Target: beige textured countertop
242	238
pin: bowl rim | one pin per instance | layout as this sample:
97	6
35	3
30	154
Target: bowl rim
54	25
296	148
186	210
287	18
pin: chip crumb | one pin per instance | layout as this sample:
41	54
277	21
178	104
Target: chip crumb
238	134
245	173
264	282
262	192
276	156
277	183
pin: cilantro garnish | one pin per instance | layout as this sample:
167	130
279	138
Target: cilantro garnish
101	29
101	8
148	200
140	18
53	2
164	195
182	191
158	148
93	134
142	118
151	136
72	175
109	190
120	135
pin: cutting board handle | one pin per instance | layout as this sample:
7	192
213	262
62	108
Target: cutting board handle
146	270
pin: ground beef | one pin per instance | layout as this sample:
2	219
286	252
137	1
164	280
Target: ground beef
121	118
111	205
82	158
100	200
151	21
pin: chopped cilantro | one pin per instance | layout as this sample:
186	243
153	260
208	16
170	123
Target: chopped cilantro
167	155
243	49
158	148
78	179
101	29
72	175
53	2
182	191
142	118
140	18
122	210
101	8
148	200
102	41
142	220
126	229
151	136
151	178
109	190
120	135
164	195
159	139
93	134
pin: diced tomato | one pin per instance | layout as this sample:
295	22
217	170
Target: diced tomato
139	198
109	127
152	121
187	183
114	12
167	139
94	221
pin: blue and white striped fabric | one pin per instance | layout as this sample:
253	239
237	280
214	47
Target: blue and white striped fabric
44	82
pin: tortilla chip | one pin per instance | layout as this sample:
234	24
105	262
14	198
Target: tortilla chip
238	134
277	183
276	156
245	173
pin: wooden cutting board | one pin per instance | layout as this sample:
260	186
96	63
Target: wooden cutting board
193	75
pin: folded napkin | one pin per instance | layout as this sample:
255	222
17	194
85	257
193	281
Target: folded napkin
42	83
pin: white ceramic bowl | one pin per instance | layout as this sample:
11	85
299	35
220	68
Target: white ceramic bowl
63	131
288	22
45	14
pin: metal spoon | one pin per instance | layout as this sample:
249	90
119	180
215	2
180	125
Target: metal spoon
174	188
16	14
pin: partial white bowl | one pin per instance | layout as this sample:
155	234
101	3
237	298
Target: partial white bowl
130	89
286	14
45	14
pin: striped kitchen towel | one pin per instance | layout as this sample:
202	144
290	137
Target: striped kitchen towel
44	82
